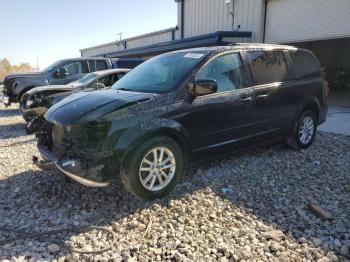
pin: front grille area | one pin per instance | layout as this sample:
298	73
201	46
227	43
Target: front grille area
7	87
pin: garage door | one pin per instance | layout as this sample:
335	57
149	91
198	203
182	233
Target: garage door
305	20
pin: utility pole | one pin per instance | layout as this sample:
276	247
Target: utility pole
120	36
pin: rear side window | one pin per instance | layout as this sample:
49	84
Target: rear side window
97	65
111	79
303	65
74	68
267	66
227	70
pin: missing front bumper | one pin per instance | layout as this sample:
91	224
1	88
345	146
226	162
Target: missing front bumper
72	169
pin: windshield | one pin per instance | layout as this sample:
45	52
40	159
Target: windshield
50	67
161	73
86	79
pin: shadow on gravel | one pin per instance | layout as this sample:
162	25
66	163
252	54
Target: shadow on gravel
257	181
9	112
12	130
41	200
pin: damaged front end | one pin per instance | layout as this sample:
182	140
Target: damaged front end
76	151
79	139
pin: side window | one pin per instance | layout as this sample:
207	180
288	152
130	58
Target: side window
116	77
101	65
267	66
303	65
97	65
106	80
74	68
227	70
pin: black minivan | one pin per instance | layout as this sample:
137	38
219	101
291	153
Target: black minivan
182	107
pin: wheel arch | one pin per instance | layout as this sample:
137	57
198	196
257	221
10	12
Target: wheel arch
135	136
314	106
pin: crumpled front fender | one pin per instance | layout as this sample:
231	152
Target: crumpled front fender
138	133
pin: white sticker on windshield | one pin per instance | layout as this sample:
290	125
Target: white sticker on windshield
193	55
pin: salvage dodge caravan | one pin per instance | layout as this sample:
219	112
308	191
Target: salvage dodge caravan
182	107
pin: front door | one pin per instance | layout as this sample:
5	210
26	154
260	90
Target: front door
223	119
75	70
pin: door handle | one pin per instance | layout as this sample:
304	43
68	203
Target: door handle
246	99
262	97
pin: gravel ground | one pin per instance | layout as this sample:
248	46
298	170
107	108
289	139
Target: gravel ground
248	207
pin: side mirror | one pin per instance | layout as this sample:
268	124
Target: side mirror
203	87
98	86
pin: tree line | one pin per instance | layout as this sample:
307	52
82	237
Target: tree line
7	68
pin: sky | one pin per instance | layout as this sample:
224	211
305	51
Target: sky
57	29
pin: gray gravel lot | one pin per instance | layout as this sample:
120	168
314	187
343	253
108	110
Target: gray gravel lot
252	206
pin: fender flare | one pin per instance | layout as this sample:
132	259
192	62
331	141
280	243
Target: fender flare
20	88
305	103
308	102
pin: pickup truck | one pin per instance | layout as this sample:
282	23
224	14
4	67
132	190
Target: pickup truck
61	72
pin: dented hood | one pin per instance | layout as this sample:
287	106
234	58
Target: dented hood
85	107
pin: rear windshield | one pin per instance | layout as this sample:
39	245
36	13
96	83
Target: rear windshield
161	73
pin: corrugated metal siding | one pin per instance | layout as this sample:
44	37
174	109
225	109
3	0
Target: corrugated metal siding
249	14
149	40
208	16
133	42
98	50
303	20
201	17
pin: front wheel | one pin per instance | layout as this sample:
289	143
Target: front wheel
305	131
152	170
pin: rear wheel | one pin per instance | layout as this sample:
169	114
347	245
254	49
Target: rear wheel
305	131
152	170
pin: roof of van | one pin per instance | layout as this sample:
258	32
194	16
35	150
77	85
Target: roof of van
240	46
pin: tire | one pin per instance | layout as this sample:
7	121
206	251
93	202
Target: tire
304	131
139	182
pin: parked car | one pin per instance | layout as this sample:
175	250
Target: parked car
60	73
183	107
38	100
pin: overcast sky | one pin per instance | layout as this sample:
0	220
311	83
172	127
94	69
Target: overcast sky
56	29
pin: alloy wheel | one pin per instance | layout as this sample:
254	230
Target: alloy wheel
306	130
157	168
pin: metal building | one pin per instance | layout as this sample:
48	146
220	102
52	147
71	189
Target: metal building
320	25
323	26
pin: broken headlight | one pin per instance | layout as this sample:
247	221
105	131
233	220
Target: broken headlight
89	135
29	103
97	130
